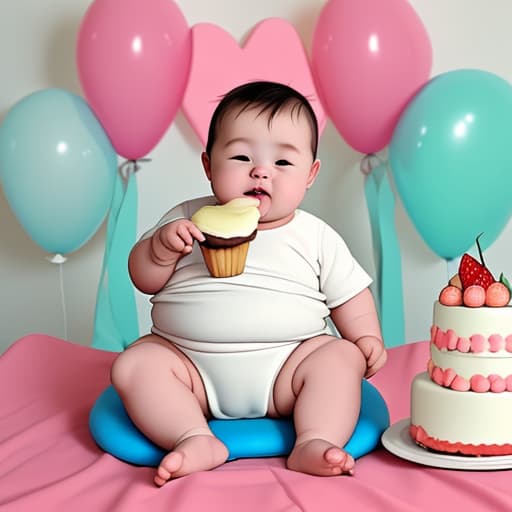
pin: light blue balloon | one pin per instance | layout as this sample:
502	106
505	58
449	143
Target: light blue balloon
57	169
451	158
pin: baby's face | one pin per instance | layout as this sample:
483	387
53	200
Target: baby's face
273	163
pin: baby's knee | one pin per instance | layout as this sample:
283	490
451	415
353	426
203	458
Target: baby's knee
122	368
147	361
346	353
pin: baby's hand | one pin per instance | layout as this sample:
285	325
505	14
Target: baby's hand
174	240
374	352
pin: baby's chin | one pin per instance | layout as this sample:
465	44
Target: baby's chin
270	221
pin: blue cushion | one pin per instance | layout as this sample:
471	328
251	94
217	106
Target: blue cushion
115	433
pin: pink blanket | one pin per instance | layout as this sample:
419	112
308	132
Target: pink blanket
49	462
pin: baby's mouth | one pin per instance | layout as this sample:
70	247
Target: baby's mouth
257	193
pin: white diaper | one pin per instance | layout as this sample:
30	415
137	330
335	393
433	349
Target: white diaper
238	384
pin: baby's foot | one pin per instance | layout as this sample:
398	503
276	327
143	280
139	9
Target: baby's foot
196	453
319	457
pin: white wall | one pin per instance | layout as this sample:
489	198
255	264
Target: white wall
37	47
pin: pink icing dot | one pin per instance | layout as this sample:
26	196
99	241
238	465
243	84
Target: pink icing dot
430	367
448	376
433	331
452	339
437	375
495	342
508	343
461	384
463	345
498	384
479	384
477	343
441	339
508	381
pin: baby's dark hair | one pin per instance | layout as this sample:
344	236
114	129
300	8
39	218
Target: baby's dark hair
270	97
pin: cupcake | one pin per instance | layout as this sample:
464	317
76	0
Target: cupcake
228	229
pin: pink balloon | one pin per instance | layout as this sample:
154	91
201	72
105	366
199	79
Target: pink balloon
369	59
133	60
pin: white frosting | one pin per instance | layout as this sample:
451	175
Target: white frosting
238	217
467	365
466	322
456	416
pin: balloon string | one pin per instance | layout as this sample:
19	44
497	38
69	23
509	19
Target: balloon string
59	259
452	267
63	300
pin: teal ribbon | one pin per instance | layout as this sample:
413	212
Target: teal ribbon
115	320
380	201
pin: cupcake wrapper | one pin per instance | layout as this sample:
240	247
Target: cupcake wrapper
225	262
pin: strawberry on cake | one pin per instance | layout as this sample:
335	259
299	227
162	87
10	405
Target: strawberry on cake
463	403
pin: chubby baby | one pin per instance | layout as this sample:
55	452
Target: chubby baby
255	343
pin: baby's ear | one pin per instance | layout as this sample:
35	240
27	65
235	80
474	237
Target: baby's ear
205	160
313	173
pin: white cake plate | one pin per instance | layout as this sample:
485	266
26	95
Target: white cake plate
396	439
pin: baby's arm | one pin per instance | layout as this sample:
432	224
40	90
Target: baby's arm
357	321
152	261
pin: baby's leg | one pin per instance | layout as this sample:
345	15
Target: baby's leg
327	386
164	396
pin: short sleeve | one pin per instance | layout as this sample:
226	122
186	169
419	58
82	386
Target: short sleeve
341	276
184	210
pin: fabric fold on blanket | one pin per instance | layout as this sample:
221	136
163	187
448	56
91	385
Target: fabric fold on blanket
49	461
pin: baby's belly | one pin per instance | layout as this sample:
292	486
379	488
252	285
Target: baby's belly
231	318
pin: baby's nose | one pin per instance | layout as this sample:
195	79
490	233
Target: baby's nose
260	172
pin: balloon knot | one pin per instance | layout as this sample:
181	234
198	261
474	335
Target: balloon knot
369	162
57	259
129	167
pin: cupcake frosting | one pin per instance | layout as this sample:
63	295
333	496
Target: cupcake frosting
237	218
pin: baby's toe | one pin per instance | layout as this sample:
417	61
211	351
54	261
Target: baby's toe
169	465
335	455
340	460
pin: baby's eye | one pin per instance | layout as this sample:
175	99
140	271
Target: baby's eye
242	158
283	162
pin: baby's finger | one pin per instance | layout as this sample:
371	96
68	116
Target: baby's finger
375	365
176	242
196	233
369	372
183	232
160	247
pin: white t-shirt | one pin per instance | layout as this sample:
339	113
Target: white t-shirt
294	275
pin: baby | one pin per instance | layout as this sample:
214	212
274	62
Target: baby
256	344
